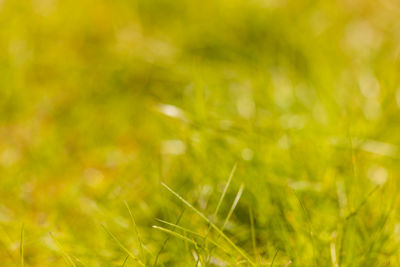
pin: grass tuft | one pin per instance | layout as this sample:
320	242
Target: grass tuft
219	231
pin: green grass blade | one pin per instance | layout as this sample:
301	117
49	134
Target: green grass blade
126	259
180	227
221	199
21	246
66	256
176	235
363	202
122	246
234	204
273	259
166	240
136	230
78	260
194	233
212	225
253	232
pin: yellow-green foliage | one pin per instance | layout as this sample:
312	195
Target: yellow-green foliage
104	102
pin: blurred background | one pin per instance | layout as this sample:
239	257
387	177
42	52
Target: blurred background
101	101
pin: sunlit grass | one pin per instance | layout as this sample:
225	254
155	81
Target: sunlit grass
199	133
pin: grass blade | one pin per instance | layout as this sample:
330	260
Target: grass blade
194	233
253	232
21	246
211	224
126	259
122	246
225	190
78	260
234	204
66	256
175	234
166	240
136	230
273	259
179	227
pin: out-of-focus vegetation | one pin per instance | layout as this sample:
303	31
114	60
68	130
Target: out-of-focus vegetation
103	101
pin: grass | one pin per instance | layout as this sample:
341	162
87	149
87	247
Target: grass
248	133
21	245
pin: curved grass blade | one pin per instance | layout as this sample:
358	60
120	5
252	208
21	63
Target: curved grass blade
273	259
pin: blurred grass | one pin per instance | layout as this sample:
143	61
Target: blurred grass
101	101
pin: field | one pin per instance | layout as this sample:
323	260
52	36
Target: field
199	133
